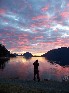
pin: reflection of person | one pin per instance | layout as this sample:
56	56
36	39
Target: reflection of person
36	71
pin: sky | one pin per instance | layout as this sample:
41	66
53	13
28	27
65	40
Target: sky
36	26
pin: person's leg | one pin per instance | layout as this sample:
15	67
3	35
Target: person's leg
34	76
38	76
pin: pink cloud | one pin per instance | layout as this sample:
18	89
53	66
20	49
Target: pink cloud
37	37
42	23
67	4
21	43
65	14
26	47
45	8
0	34
2	11
40	17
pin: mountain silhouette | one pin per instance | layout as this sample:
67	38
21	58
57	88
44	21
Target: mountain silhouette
3	51
12	55
60	55
27	55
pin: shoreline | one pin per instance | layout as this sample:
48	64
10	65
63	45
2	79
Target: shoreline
4	58
30	86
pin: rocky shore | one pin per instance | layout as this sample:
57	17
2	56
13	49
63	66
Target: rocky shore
4	58
30	86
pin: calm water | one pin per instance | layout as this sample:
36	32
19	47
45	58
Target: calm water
21	68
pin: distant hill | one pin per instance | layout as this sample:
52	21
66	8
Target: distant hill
13	55
3	51
27	55
60	55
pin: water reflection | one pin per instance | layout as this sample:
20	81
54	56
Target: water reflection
22	68
61	63
2	65
27	58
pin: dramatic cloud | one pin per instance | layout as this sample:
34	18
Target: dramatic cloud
36	26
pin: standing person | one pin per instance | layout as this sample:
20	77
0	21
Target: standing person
36	71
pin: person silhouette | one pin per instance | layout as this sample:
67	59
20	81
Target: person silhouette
36	71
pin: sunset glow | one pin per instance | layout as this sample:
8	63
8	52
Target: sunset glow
36	26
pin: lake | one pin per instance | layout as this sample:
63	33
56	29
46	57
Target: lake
21	68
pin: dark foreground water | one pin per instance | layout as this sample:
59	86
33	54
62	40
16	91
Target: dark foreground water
21	68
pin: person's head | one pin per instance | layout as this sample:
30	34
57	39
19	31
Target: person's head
37	60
